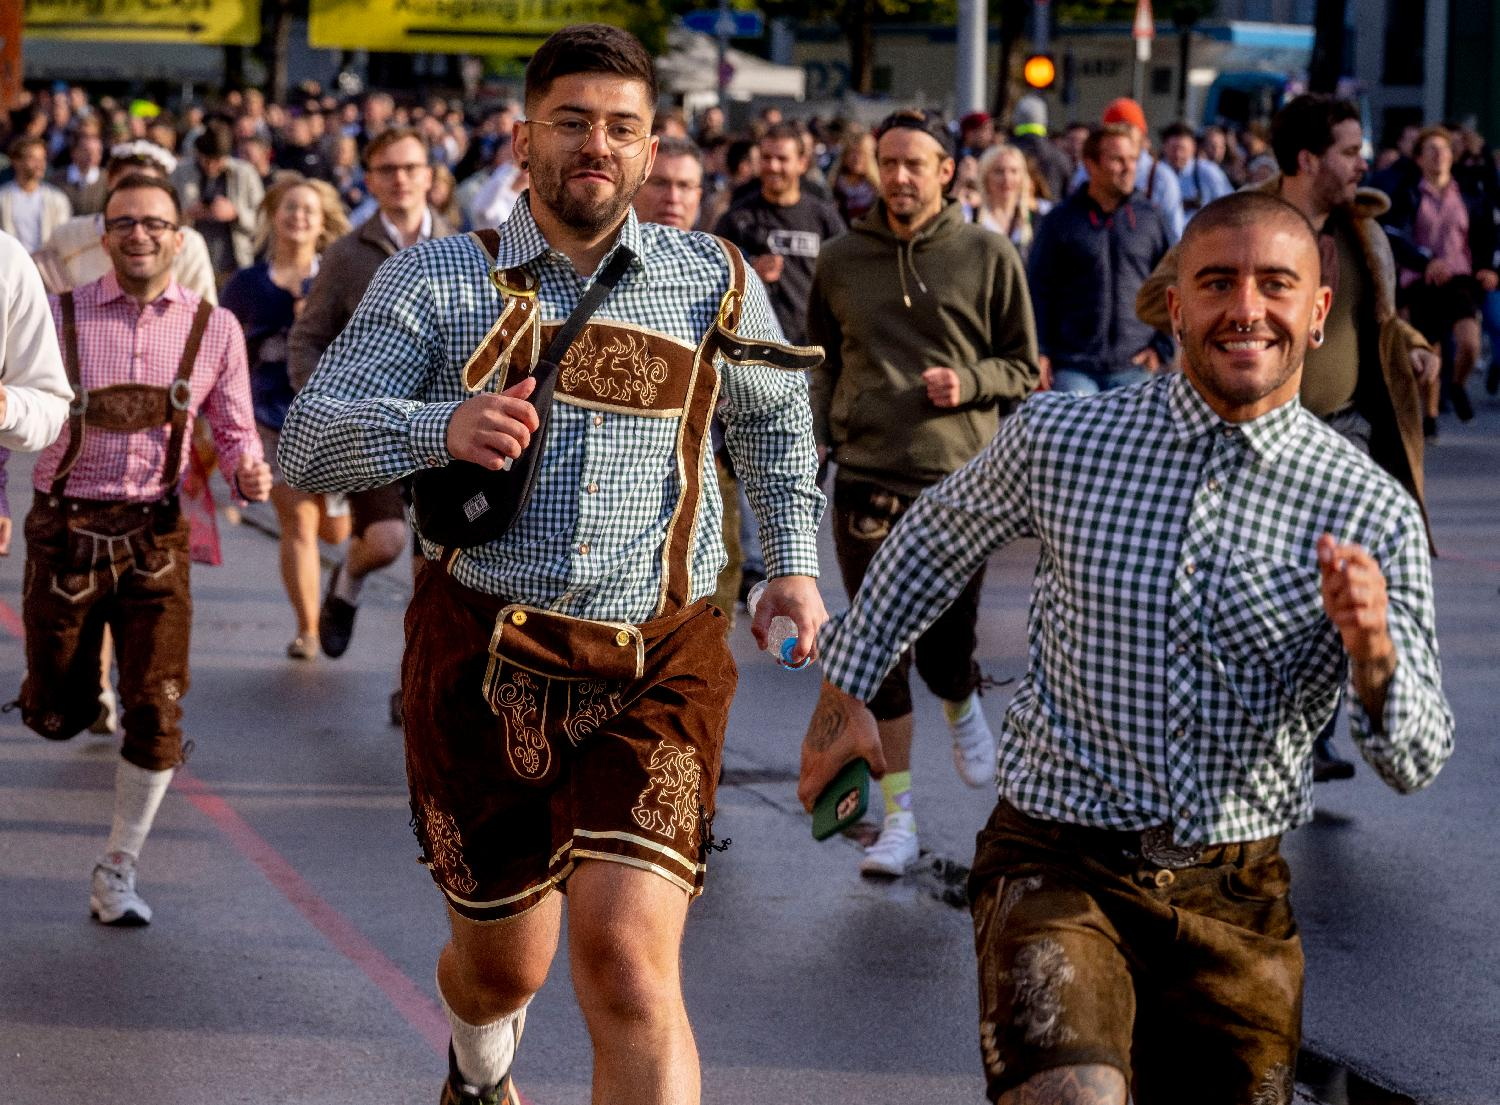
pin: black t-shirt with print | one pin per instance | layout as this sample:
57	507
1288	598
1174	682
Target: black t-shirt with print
796	233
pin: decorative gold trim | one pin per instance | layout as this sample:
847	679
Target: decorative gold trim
643	842
642	864
611	408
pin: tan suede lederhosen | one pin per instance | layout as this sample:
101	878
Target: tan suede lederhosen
536	740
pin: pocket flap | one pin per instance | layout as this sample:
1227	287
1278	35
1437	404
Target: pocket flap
559	647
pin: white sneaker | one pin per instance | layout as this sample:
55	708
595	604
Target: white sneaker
895	850
108	721
974	746
113	900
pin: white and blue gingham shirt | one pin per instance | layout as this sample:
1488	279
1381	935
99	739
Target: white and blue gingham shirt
587	544
1181	662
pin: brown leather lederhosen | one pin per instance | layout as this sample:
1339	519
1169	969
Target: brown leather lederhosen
125	564
535	739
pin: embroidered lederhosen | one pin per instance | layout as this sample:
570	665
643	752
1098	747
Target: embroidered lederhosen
631	714
92	563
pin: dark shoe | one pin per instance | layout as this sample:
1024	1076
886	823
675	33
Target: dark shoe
396	709
458	1092
1429	429
1328	765
1461	405
335	620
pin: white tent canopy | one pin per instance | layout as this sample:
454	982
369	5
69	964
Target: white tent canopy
691	65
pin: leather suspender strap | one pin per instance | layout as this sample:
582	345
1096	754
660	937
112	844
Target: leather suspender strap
728	343
180	396
80	401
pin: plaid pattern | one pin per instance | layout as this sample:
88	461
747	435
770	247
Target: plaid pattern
378	408
1180	659
120	342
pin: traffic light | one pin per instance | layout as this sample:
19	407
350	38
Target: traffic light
1039	71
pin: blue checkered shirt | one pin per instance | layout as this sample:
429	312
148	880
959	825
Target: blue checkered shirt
1181	662
587	544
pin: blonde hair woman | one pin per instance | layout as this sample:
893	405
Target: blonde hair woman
298	219
1008	201
856	181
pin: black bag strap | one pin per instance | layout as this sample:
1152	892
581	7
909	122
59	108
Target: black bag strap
80	401
603	284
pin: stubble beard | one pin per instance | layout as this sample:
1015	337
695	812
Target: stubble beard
585	216
1199	359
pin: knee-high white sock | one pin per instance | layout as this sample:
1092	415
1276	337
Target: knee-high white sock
484	1051
138	795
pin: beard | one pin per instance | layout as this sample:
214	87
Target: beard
585	214
1241	391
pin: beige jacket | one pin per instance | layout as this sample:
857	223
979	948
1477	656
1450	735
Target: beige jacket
1394	407
56	209
75	255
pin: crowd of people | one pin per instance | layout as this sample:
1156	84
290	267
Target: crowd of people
884	300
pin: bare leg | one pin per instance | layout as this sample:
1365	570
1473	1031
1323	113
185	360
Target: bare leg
1465	349
297	512
625	939
378	546
1087	1084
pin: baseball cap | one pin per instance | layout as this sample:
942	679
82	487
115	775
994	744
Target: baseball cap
1125	110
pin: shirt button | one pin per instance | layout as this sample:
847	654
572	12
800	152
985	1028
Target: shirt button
583	549
1189	567
1213	485
1182	649
593	488
1179	732
598	420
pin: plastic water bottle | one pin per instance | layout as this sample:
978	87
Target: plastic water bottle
782	637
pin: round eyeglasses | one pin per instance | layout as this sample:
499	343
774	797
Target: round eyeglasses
572	135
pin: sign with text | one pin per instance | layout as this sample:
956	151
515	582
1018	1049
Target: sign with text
493	27
210	22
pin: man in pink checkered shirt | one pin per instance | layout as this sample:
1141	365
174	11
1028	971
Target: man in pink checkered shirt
106	543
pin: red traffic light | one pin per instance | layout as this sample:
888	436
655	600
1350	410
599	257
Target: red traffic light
1039	71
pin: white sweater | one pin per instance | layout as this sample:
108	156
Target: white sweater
31	368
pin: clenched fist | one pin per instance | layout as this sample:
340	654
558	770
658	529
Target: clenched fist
492	430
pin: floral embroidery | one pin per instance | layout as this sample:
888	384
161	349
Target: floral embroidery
669	803
621	370
445	848
595	702
529	752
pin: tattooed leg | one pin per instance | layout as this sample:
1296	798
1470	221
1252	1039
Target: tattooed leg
1085	1084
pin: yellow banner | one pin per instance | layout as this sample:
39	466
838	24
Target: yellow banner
498	28
232	22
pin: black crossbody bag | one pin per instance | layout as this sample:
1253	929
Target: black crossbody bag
463	504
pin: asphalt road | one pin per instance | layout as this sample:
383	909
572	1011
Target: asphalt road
292	953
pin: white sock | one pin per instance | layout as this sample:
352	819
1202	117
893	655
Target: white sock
347	586
138	795
486	1051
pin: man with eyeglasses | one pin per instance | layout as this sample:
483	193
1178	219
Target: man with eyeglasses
106	542
398	174
567	685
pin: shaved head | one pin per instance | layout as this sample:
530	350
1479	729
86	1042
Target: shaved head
1241	210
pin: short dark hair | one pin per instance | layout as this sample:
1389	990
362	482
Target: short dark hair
1238	210
22	144
217	140
389	137
738	152
929	123
138	181
590	48
1095	141
1177	130
679	147
1306	123
785	131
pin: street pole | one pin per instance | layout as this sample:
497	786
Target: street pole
1143	32
724	27
973	55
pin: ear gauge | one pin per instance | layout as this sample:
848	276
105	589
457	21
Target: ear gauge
1316	338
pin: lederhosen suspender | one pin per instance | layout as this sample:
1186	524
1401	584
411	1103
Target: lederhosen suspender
520	318
128	407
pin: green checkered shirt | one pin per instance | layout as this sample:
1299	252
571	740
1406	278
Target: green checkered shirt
378	407
1181	662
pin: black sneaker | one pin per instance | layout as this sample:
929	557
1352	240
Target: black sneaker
1461	405
335	619
458	1092
1328	765
397	713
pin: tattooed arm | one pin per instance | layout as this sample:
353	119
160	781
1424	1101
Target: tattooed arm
841	730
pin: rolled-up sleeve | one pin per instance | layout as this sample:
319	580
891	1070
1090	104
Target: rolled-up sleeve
768	430
359	422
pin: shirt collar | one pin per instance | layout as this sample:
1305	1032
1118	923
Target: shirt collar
1436	193
390	228
107	290
1191	417
522	242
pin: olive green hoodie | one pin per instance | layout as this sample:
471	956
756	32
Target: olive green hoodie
884	311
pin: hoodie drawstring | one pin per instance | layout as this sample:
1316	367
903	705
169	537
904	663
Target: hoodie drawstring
904	262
